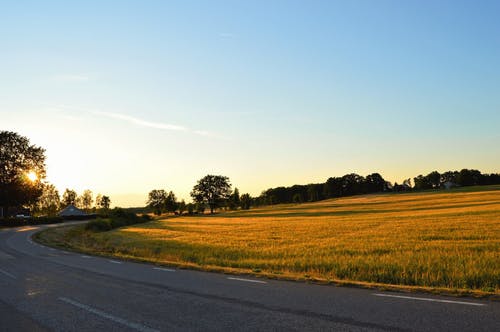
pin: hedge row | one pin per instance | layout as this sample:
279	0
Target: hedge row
17	222
117	218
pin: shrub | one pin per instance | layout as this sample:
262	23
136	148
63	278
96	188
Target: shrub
99	225
146	218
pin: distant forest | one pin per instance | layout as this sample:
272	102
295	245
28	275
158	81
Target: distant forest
354	184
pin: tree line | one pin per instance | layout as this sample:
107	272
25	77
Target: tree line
463	178
212	191
347	185
354	184
50	202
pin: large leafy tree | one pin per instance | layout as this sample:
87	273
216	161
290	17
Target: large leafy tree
213	190
245	201
102	202
22	169
156	200
171	202
86	200
49	202
375	183
234	200
69	197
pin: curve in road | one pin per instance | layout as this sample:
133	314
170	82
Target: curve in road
44	289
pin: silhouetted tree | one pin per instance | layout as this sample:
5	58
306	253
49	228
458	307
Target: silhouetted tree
171	202
375	183
333	187
102	202
190	208
450	176
49	202
315	192
181	206
213	190
69	198
105	202
86	200
245	201
156	200
430	181
19	158
469	177
434	179
352	184
234	199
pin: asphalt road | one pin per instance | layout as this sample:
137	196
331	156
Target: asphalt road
43	289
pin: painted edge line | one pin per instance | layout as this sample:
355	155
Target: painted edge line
84	256
247	280
163	269
114	262
103	314
429	300
7	274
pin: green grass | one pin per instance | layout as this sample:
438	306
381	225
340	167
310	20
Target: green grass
446	240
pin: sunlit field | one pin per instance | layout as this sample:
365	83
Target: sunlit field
437	239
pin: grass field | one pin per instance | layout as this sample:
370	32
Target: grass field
437	240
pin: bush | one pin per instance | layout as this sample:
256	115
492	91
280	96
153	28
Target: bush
146	218
99	225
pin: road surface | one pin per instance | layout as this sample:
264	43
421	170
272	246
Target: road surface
43	289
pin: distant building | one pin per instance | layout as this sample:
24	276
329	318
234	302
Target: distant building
72	211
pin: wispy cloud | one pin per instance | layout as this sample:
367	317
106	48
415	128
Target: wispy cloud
71	77
141	122
127	118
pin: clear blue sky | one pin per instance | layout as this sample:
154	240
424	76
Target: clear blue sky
129	96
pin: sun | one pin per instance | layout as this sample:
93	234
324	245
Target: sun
32	176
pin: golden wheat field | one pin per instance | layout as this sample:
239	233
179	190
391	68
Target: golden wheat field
437	239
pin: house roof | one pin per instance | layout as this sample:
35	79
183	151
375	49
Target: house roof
70	211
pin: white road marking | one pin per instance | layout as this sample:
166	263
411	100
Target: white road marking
52	249
84	256
114	262
163	269
7	274
430	300
247	280
103	314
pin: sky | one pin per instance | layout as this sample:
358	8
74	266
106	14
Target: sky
130	96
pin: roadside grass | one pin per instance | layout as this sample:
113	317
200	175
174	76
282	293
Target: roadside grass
435	241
